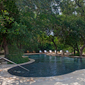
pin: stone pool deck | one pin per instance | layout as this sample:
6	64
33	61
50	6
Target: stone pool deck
74	78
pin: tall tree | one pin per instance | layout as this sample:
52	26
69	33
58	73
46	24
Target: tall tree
8	14
75	8
11	26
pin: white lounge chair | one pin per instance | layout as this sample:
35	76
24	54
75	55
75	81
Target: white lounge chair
40	51
45	51
55	51
50	51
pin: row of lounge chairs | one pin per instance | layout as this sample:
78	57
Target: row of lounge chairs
45	51
50	51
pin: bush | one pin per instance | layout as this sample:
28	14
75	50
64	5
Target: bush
15	55
17	58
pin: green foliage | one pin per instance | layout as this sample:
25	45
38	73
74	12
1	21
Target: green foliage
24	24
17	58
15	55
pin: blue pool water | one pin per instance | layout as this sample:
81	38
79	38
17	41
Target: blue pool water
47	66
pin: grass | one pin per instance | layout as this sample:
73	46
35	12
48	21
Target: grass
17	58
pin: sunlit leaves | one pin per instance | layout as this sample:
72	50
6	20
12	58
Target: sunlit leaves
5	12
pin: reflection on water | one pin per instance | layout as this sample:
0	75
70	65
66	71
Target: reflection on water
45	66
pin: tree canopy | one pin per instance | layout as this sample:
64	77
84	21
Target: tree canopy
29	24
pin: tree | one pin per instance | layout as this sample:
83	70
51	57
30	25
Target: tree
75	9
80	25
45	13
8	14
70	33
12	27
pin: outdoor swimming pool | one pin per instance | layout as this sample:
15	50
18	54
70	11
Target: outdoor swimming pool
47	66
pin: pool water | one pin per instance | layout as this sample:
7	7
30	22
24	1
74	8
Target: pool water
47	66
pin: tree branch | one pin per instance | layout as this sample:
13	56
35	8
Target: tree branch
82	38
77	3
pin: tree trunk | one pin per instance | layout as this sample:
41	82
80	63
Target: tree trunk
63	52
5	46
54	44
0	48
56	50
77	49
81	50
74	50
